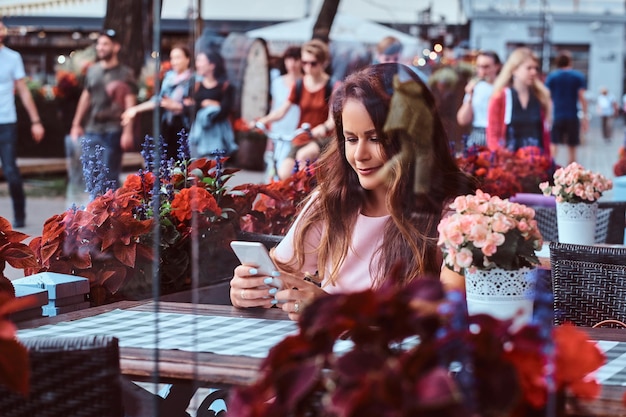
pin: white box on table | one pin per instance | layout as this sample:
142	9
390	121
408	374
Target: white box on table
63	290
58	285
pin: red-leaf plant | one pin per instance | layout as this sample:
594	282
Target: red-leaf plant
111	242
278	202
413	353
14	370
195	205
101	242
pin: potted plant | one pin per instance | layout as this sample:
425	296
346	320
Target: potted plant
414	352
252	144
493	242
112	240
577	191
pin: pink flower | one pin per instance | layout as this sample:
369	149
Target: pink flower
574	184
480	225
464	258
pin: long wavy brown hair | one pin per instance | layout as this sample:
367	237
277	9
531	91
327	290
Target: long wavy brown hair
410	235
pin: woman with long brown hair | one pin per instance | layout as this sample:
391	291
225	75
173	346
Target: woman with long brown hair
383	185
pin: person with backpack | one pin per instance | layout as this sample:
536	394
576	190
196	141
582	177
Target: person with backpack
311	94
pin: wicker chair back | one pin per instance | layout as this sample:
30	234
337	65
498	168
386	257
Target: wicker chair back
588	283
78	377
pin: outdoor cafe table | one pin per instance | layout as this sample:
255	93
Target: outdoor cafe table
221	346
214	345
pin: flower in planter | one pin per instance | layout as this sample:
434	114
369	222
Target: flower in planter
575	184
415	352
485	232
252	143
111	241
67	85
14	252
194	204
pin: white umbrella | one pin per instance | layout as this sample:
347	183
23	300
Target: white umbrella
345	28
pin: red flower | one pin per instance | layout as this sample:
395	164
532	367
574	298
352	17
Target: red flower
140	184
576	357
193	199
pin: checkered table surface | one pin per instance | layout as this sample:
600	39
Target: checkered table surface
194	333
613	372
235	336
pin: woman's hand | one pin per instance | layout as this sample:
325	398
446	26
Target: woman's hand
248	289
291	294
128	116
296	295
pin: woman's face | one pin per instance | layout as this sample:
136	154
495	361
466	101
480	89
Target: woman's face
203	65
526	72
363	149
310	64
179	60
486	68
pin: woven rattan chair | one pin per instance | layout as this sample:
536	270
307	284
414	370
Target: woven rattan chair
588	283
546	220
70	377
617	221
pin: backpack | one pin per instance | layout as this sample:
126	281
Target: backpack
328	90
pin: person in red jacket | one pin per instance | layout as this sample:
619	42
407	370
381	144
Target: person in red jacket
520	108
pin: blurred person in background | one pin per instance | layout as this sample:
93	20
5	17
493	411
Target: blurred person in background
567	88
520	108
282	130
312	95
12	80
211	132
477	94
99	108
389	49
607	109
177	85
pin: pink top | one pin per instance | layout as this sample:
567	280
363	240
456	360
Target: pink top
354	275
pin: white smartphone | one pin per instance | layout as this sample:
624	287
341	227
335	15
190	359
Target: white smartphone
254	254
